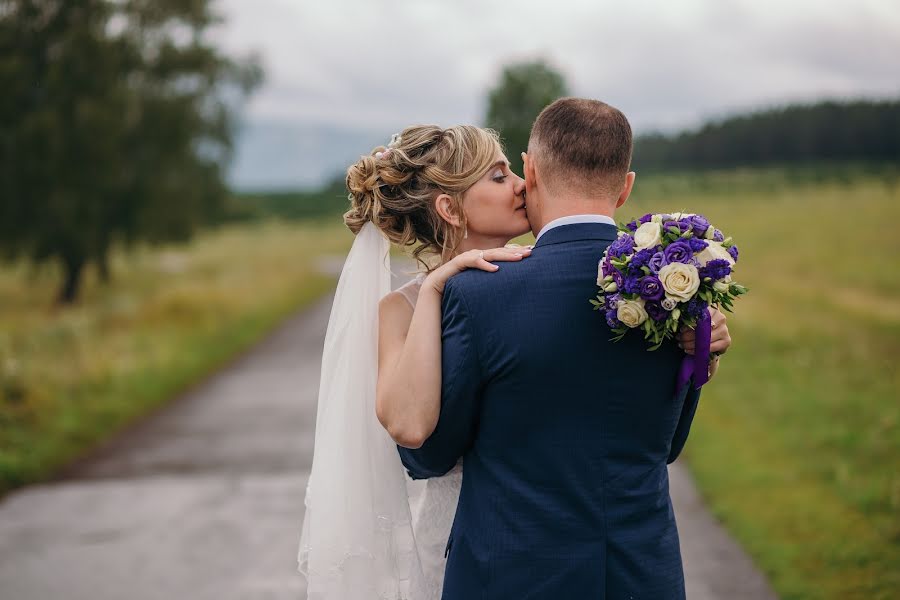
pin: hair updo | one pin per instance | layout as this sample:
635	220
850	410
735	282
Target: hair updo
396	189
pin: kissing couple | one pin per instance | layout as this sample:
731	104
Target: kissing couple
531	450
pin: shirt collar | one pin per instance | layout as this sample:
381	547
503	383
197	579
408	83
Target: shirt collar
573	219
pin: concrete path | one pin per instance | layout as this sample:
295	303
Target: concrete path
204	500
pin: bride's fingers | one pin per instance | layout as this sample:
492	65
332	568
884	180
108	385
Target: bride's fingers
506	254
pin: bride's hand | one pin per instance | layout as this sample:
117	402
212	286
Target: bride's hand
720	340
474	259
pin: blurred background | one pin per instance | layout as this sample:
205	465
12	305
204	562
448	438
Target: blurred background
171	183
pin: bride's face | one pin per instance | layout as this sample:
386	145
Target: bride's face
495	205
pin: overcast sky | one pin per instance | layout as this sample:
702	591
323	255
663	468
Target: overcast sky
342	75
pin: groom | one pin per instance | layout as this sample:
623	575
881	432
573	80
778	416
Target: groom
565	434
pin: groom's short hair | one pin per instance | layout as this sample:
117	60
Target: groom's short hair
581	143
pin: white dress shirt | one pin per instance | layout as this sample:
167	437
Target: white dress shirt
573	219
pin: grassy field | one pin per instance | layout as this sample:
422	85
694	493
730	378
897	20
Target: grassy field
797	442
69	377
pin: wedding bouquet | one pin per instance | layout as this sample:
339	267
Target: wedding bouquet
663	272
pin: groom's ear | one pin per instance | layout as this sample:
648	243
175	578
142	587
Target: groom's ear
443	204
528	172
626	191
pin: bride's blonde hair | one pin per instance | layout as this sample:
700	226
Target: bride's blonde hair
395	187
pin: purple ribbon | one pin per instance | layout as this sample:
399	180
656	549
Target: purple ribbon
698	364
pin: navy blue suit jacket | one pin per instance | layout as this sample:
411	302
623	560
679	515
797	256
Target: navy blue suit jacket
564	434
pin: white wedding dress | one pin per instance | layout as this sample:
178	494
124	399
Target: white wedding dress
432	502
369	531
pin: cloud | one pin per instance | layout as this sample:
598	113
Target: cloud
376	66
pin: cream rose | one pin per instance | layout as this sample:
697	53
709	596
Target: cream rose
647	236
631	312
680	280
714	251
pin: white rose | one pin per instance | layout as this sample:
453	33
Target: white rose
680	281
647	235
600	273
710	232
714	251
656	219
631	312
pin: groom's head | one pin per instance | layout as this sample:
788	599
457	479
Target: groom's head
577	162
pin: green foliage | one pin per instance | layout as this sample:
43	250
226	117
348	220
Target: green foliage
116	121
827	131
329	202
523	92
70	378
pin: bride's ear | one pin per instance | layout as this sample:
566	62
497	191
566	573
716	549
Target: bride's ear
443	204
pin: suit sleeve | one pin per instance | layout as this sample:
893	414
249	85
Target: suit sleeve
460	392
688	410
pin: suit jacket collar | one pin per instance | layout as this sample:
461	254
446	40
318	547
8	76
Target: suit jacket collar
578	232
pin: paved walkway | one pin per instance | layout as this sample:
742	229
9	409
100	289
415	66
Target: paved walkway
204	500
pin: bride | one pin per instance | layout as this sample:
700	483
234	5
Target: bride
369	531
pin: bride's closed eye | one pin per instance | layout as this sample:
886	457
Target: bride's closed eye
499	176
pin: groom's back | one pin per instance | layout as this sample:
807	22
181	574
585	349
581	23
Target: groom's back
565	489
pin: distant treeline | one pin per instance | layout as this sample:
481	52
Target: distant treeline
328	201
827	131
811	138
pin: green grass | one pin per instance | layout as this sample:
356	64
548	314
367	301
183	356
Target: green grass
796	445
70	377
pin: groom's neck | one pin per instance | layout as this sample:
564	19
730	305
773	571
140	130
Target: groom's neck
558	207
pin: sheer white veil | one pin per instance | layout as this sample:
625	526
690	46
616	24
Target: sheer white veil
357	539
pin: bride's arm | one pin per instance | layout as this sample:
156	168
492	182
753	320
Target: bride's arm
408	400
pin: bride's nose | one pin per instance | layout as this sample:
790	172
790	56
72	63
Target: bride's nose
519	186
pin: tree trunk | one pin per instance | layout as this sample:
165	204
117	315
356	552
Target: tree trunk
103	268
74	267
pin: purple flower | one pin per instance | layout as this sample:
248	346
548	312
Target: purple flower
697	245
612	301
682	226
718	236
617	278
632	226
733	251
642	257
632	285
678	252
606	267
699	224
695	307
715	269
657	262
612	319
646	218
624	244
656	312
651	288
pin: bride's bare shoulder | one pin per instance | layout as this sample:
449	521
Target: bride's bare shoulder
395	311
